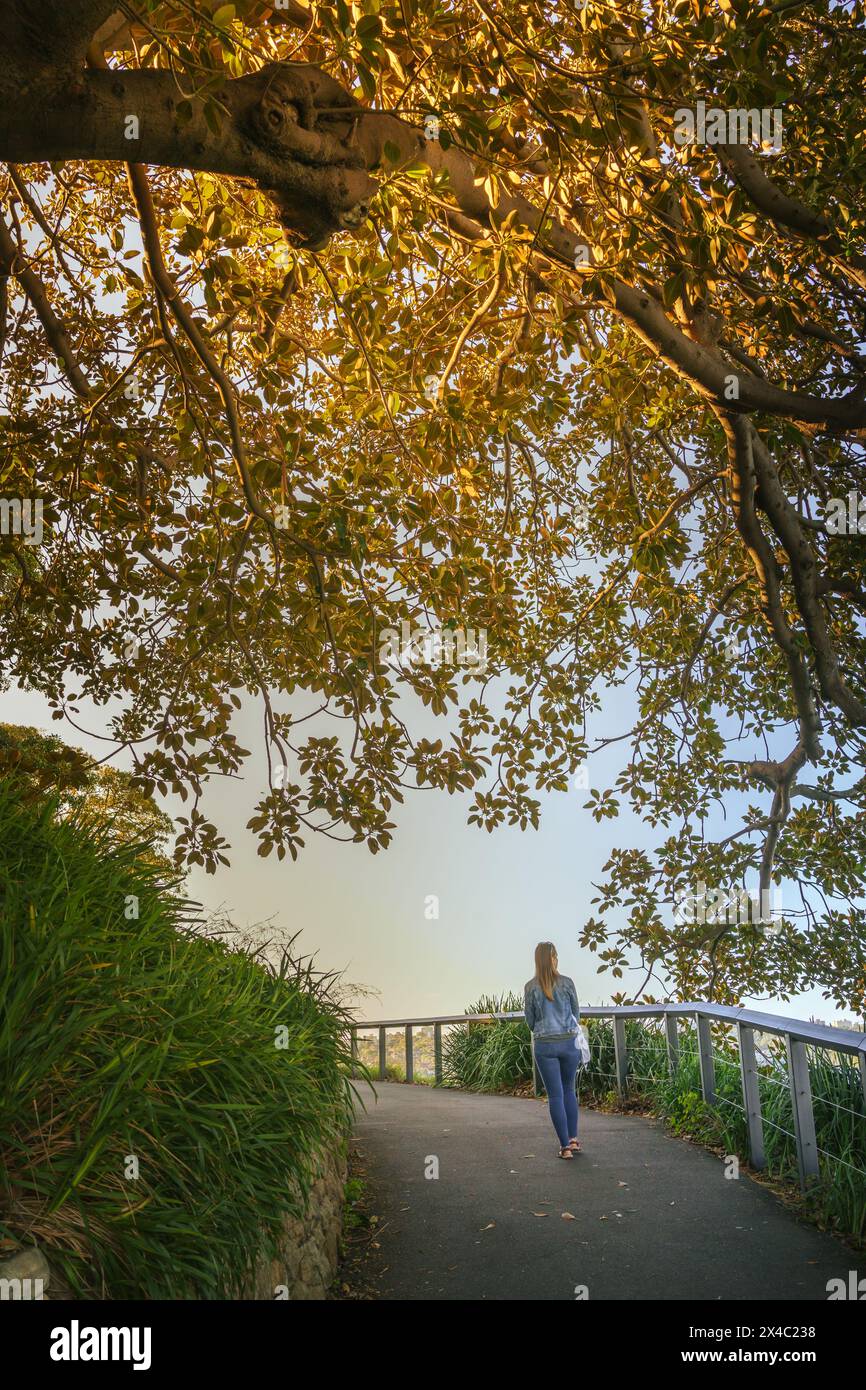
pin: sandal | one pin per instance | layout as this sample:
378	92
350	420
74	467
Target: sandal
574	1145
566	1152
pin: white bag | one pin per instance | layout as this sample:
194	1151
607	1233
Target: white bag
581	1042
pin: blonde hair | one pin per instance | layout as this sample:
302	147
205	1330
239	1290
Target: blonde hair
545	972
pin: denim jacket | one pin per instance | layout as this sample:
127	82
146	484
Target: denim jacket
551	1019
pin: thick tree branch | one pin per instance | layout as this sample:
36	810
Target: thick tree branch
780	776
790	212
642	310
740	435
806	579
853	794
273	134
58	33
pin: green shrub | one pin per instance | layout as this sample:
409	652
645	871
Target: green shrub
488	1056
133	1036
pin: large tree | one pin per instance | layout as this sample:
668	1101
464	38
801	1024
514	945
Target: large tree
318	319
44	768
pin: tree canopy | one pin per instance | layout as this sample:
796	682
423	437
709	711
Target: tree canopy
44	768
318	320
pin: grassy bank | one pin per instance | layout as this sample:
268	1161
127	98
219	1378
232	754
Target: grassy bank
497	1057
162	1095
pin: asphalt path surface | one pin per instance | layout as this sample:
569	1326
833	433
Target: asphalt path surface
640	1214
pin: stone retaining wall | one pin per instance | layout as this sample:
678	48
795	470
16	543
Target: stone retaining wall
310	1247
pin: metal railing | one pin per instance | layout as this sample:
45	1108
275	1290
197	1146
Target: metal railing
748	1024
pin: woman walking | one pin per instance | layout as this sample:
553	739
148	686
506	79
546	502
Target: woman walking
552	1011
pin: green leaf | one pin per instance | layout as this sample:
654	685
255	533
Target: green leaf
368	81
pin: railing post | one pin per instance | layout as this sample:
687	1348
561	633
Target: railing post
410	1054
353	1043
437	1053
705	1059
382	1054
673	1039
751	1094
804	1115
620	1053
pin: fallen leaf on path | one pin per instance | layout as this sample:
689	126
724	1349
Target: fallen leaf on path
567	1216
541	1213
489	1226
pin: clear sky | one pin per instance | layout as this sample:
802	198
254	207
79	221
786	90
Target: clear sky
363	914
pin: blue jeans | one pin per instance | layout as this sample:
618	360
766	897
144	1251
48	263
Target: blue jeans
558	1063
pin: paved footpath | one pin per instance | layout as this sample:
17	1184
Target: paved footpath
654	1216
